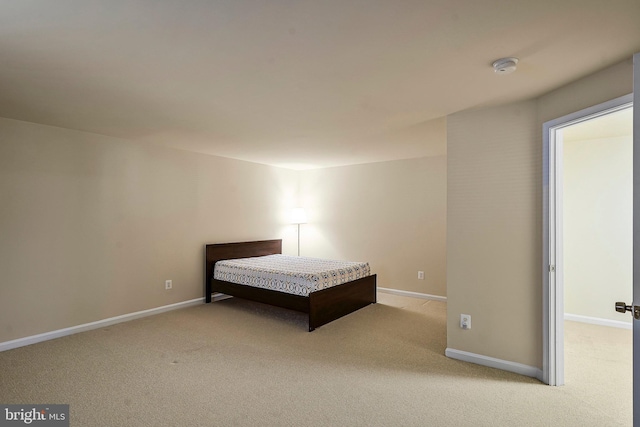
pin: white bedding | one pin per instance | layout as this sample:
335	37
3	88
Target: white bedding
290	274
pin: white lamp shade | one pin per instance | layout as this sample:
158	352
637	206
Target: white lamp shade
298	216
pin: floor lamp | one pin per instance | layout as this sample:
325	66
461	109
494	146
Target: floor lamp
299	216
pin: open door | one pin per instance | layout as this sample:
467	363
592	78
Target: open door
634	308
636	237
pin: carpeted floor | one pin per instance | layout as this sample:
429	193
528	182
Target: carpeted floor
237	363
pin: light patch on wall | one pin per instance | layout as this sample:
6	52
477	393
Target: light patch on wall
613	125
298	166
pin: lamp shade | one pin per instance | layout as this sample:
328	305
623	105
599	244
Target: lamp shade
298	216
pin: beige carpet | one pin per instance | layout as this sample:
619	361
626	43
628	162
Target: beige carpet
598	368
236	363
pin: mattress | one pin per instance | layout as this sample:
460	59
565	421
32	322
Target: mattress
290	274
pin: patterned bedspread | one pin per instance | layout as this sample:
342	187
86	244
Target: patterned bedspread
290	274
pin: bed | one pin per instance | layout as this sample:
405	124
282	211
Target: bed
323	305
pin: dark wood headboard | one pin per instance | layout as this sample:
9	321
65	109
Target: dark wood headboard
219	251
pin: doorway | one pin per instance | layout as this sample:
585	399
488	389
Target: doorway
554	231
598	218
597	229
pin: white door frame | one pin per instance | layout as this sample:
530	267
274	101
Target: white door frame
552	240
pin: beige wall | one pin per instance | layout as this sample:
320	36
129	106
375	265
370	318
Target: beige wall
607	84
494	219
391	214
494	232
91	226
598	226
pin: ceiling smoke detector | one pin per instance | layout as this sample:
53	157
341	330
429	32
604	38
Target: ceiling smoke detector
505	65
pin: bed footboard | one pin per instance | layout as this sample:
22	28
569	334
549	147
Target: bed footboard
332	303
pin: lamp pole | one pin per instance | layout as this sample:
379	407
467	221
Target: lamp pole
299	216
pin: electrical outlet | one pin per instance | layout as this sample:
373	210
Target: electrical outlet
421	275
465	321
168	284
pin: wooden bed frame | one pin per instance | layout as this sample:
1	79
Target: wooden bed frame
322	306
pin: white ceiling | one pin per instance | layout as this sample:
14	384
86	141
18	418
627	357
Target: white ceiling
294	83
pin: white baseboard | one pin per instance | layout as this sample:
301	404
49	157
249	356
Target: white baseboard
505	365
412	294
21	342
598	321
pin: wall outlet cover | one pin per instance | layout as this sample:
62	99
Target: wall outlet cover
465	321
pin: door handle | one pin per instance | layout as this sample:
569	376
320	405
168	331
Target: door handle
623	308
